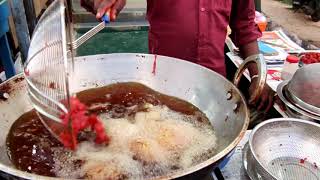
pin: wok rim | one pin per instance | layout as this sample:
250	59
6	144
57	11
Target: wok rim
19	173
259	126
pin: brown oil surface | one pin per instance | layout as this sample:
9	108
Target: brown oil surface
31	146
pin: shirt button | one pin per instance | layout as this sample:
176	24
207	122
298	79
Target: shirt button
202	9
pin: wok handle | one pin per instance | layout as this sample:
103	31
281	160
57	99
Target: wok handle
258	59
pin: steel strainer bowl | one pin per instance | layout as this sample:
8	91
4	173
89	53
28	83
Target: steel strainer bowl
284	149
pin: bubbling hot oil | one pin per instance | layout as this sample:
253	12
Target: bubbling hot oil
151	135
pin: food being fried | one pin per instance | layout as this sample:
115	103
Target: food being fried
104	171
76	121
151	135
143	150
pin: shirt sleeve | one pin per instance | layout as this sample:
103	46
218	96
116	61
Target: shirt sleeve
244	28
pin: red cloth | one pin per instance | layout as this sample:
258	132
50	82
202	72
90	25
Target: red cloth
195	30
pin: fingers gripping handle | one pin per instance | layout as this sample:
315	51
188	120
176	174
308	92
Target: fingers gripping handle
106	18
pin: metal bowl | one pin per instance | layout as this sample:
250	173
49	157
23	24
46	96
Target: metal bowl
218	98
304	87
284	148
248	162
292	109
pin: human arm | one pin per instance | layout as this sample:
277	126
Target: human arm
245	33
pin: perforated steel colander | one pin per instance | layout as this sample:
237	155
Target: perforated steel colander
284	149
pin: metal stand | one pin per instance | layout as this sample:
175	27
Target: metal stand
6	58
218	174
258	5
20	21
5	52
30	15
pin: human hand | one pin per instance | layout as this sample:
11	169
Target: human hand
267	98
100	7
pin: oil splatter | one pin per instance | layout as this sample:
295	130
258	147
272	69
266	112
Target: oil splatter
4	91
19	79
52	85
154	67
302	161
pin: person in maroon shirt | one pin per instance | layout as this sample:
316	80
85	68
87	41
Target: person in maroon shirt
195	30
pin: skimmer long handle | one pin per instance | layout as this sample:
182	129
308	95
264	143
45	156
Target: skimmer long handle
85	37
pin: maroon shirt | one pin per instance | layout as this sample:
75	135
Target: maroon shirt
195	30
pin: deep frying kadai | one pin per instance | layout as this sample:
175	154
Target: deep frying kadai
218	98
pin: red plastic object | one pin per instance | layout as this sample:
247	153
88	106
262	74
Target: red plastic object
292	59
261	21
76	121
